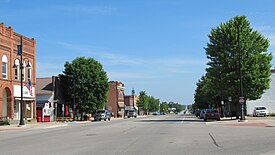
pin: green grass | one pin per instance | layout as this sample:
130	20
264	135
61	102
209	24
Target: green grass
272	114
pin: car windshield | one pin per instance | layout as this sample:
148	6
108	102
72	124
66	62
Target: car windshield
100	111
260	108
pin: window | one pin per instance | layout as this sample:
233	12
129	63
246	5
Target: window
16	70
4	67
30	72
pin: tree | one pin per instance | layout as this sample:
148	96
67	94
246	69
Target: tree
164	107
85	80
153	104
143	101
228	43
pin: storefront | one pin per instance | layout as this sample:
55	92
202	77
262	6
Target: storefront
28	102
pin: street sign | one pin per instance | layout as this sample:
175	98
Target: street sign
241	100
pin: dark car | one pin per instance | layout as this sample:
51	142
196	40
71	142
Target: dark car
197	113
102	115
212	114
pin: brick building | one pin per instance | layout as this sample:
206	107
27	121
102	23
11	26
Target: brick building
131	100
10	88
116	98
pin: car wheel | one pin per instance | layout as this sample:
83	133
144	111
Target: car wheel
104	119
218	119
109	119
205	120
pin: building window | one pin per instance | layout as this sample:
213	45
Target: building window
30	72
16	70
4	67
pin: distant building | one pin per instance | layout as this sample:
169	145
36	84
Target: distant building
10	86
116	98
50	100
267	99
129	101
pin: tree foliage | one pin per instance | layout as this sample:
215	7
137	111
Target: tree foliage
164	107
148	103
86	79
224	52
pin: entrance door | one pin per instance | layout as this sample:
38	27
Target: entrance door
39	114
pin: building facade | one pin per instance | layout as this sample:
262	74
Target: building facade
50	103
116	98
267	99
10	86
131	102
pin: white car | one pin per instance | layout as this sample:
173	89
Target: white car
260	111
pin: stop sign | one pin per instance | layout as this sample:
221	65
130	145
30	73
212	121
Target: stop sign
241	100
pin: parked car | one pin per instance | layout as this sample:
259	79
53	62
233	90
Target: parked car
132	113
102	115
260	111
156	113
202	113
212	114
197	112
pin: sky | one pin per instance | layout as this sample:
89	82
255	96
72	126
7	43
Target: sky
155	46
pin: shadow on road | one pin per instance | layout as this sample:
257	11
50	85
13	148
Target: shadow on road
170	120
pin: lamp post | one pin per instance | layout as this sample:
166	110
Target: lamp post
229	100
241	99
222	103
21	66
133	95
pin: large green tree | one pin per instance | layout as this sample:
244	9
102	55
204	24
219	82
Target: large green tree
85	79
228	43
143	101
164	107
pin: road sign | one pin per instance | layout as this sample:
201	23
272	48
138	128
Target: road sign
241	100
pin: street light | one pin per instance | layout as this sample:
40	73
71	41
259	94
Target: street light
133	94
222	103
241	99
21	66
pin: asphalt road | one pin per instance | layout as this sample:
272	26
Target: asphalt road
168	134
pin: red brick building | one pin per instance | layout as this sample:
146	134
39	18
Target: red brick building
131	102
116	98
10	88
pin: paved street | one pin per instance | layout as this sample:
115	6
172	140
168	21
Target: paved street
168	134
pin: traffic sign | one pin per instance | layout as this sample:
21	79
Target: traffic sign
241	100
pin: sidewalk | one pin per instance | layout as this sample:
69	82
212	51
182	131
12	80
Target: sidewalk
249	121
46	125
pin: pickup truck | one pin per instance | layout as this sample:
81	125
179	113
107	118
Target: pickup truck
102	115
132	113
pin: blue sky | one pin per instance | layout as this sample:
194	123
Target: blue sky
151	45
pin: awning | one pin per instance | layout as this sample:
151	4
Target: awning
40	104
24	99
121	104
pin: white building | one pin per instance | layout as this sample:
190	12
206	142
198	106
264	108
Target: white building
267	99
